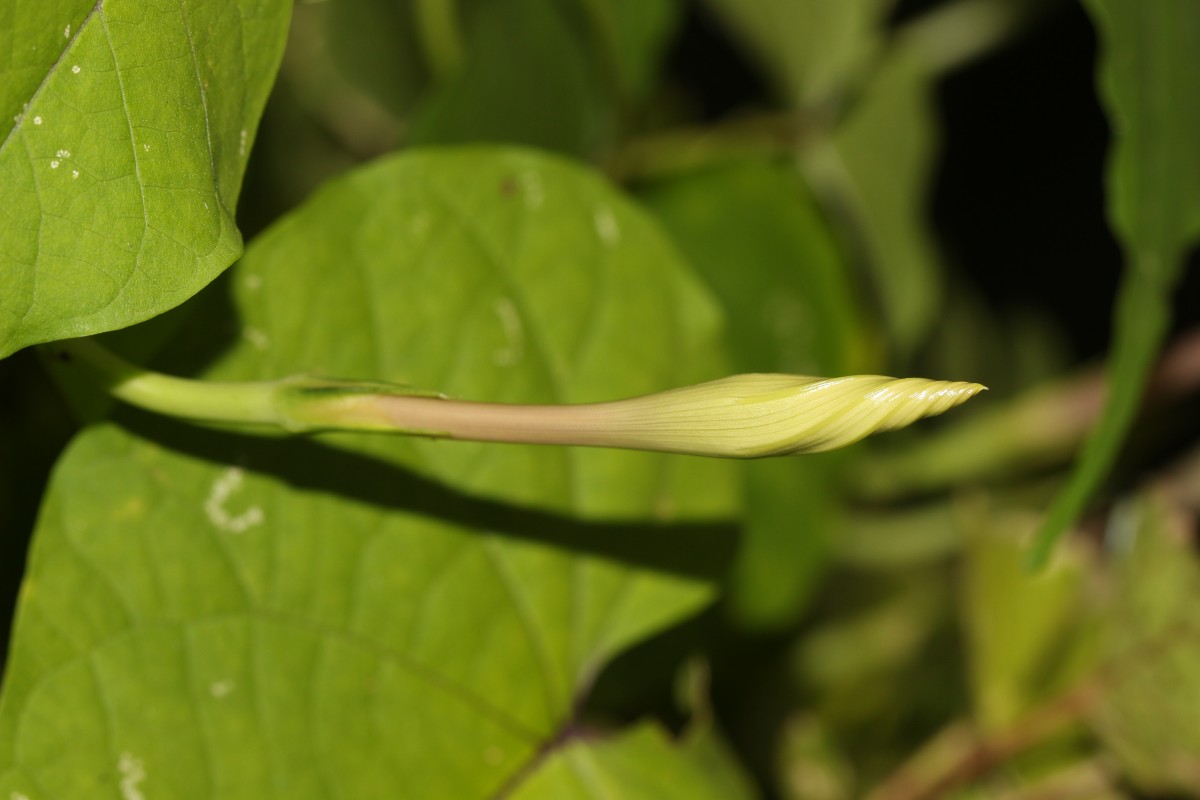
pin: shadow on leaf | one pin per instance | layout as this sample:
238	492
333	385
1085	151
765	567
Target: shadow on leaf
693	549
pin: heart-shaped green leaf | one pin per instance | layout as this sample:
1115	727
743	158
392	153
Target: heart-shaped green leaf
210	614
494	275
124	131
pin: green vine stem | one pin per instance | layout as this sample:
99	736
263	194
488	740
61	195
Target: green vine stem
743	416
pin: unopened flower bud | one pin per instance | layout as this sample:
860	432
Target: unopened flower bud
743	416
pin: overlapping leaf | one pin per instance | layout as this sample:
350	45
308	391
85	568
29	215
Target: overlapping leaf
211	614
124	131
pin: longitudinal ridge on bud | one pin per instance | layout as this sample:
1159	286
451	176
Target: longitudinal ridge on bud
743	416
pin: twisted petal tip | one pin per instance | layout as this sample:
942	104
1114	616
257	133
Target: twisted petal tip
757	415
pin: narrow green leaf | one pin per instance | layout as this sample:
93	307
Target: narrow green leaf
1150	81
215	615
124	131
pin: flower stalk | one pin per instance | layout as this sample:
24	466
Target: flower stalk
742	416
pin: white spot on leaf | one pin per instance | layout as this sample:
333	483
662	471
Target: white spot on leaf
75	69
74	174
63	154
242	142
54	163
606	226
224	487
219	689
67	31
256	337
18	796
133	772
514	334
145	147
535	195
37	120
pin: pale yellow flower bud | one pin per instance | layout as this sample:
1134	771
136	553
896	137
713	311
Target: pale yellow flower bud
743	416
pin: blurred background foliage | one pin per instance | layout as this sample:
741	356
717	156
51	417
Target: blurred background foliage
893	186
